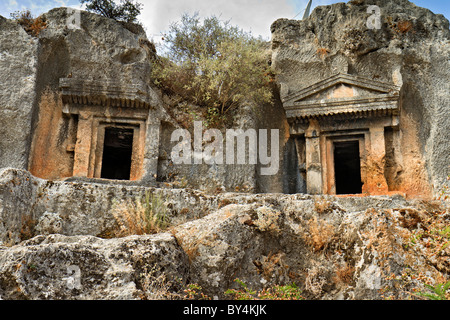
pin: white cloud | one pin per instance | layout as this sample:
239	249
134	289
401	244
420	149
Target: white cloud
251	15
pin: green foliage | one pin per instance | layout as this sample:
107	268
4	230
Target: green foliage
242	294
445	232
288	292
214	65
213	117
439	292
22	17
195	292
127	11
445	190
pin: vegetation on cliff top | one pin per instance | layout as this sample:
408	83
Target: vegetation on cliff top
127	10
214	65
32	25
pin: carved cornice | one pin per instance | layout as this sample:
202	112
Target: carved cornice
105	93
345	106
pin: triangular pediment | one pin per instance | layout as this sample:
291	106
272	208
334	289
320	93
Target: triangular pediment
341	91
341	86
342	94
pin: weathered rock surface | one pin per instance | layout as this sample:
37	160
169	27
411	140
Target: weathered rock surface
334	248
18	66
84	267
410	49
31	206
331	247
56	237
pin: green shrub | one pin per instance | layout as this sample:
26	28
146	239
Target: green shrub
214	65
438	292
277	292
445	190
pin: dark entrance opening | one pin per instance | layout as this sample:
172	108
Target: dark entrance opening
347	167
117	151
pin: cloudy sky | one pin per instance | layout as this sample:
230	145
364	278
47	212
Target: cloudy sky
251	15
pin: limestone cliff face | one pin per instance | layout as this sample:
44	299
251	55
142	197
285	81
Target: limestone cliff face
410	49
98	49
18	66
97	52
58	239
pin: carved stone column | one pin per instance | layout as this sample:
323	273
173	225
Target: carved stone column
375	162
151	150
313	161
83	145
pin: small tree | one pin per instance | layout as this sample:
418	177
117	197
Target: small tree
214	65
127	11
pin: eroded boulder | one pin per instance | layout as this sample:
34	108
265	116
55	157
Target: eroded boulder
332	248
86	267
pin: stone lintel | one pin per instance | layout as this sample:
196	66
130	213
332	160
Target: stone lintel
375	183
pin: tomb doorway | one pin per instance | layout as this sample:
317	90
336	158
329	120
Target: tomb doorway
347	167
117	153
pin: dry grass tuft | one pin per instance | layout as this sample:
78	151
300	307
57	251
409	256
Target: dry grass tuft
315	279
146	215
31	25
322	52
344	274
323	206
320	234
